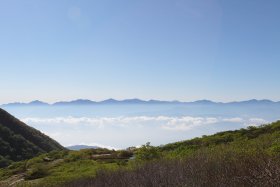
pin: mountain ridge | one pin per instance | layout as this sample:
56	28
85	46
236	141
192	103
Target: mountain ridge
138	101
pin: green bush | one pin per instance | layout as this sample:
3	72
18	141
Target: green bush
147	152
124	154
4	162
36	172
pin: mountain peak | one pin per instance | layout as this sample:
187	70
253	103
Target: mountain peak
109	101
204	101
75	102
258	101
37	102
133	101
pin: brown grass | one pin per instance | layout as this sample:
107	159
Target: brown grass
204	168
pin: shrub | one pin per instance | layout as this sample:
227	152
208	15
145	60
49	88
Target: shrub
147	153
36	172
124	154
4	162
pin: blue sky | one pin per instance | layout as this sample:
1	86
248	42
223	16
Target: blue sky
149	49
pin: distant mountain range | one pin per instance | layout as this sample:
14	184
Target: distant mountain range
79	147
139	101
33	103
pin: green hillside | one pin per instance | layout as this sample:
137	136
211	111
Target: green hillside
19	141
241	136
245	157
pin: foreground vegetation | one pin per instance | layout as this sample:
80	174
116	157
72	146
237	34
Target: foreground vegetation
58	167
245	157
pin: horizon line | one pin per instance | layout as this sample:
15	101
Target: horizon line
136	99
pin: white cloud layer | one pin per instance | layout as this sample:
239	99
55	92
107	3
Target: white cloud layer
183	123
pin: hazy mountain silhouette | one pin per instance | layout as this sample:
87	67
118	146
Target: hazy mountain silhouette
79	147
205	102
109	101
76	102
32	103
139	101
254	102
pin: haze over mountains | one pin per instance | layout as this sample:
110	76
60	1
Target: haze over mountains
139	101
123	123
80	147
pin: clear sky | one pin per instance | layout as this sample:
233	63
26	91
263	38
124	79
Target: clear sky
149	49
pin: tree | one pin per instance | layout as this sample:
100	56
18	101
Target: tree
147	152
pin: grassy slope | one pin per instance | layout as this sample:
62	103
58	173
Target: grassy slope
58	167
242	136
242	152
246	157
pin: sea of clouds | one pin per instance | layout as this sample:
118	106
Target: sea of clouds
183	123
125	131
